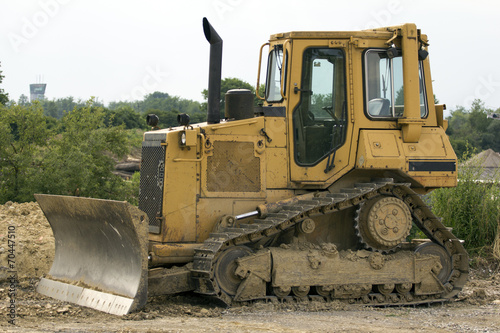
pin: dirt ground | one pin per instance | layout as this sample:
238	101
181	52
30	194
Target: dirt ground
477	309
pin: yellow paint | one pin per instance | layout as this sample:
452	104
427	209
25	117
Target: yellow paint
277	176
254	160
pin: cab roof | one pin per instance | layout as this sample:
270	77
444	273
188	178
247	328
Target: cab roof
378	33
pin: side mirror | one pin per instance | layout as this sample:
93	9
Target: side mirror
422	54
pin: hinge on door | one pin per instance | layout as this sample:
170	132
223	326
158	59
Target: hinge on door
350	83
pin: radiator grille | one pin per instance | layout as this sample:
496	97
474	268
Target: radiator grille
151	186
233	168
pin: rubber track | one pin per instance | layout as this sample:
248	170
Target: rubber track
327	203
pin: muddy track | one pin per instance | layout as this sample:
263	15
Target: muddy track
328	203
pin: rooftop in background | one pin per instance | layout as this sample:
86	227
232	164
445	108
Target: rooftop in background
489	160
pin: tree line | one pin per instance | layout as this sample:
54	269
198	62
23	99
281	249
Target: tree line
66	146
132	113
471	129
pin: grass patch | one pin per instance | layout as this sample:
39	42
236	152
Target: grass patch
471	209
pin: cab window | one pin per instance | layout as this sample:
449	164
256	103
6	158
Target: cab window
384	85
274	74
319	119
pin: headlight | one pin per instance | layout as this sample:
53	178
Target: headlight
183	139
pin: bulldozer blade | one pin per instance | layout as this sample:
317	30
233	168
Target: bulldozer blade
100	253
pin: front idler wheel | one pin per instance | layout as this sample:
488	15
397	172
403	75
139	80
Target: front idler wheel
225	269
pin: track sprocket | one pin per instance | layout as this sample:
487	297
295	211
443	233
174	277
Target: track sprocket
383	222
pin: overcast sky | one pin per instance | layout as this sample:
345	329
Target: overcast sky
121	50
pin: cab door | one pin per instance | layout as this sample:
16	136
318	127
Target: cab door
318	120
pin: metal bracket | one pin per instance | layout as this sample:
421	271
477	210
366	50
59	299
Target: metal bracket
263	133
394	36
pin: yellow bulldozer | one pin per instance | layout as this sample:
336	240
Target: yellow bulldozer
314	193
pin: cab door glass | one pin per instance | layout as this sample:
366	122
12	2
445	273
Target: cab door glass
319	119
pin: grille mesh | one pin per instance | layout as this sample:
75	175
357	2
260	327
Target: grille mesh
151	187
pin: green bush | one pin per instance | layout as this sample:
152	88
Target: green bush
23	134
471	208
75	157
130	189
78	161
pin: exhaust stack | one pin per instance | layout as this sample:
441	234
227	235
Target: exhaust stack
214	76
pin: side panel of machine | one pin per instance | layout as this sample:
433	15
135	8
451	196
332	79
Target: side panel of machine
430	162
181	187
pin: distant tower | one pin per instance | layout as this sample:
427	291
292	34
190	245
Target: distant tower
37	90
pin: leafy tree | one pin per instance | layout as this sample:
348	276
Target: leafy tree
157	95
57	108
23	100
318	102
400	97
262	90
493	130
4	98
135	105
473	126
130	189
124	115
50	109
162	101
226	85
198	117
157	100
79	161
23	131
